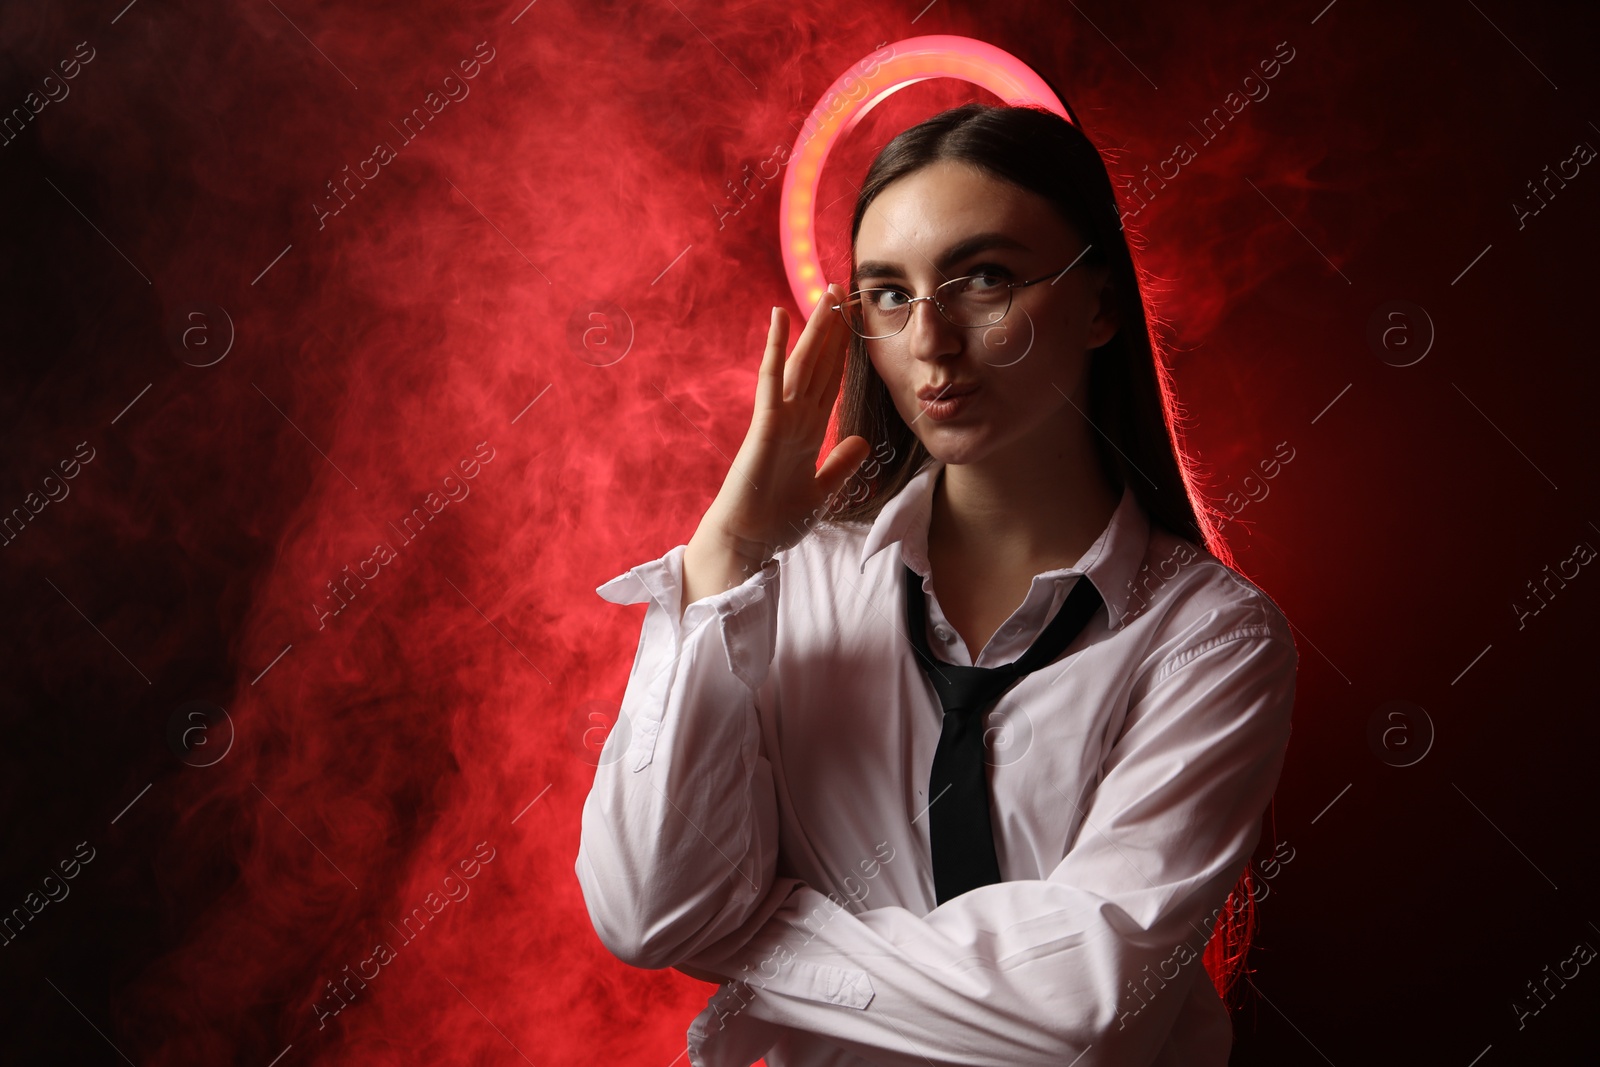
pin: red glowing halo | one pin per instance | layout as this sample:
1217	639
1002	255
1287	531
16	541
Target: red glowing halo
856	92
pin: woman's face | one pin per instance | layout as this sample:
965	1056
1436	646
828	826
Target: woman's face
919	232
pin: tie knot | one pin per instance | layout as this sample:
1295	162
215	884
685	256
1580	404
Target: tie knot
967	690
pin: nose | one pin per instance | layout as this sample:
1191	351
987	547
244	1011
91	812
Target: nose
930	335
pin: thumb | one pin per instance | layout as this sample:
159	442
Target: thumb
846	457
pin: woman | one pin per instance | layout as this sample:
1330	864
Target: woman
808	804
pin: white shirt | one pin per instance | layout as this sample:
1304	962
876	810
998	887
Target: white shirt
761	813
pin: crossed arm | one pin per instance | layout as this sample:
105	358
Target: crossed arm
1094	961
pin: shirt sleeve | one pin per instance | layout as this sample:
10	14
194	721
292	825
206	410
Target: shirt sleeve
1088	966
680	831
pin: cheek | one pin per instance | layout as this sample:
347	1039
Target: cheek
888	367
1060	350
896	370
1014	341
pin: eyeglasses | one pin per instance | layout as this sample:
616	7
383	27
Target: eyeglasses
974	301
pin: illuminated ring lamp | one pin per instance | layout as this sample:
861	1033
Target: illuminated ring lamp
909	61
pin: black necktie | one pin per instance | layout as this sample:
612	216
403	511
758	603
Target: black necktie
959	826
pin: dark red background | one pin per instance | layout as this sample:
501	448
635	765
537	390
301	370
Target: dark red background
586	172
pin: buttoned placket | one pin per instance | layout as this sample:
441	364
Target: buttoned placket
1016	635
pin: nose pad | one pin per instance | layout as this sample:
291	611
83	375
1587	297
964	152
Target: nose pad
930	334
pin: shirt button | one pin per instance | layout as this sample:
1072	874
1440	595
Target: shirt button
942	634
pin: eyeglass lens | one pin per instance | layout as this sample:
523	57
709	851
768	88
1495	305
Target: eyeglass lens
971	302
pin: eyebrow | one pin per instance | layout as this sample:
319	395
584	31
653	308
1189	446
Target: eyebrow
978	242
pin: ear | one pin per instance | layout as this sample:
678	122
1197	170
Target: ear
1106	319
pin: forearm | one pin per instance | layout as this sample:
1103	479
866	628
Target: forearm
958	989
714	563
1097	960
679	837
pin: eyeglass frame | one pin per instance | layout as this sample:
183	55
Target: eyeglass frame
1011	288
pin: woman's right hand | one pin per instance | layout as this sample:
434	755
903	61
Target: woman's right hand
775	486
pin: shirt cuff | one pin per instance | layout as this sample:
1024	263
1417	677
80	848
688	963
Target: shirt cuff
661	581
746	617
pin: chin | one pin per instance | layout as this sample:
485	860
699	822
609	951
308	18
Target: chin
954	448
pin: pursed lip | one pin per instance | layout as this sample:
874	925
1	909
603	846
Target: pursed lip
948	391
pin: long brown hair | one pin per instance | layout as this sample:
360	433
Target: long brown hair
1131	402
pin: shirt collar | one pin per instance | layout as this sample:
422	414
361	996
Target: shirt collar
1111	562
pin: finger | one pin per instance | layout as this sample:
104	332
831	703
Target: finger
832	374
769	378
807	350
826	377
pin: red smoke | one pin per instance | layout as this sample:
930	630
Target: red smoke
395	331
